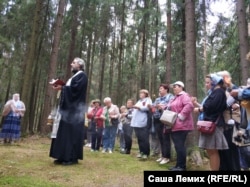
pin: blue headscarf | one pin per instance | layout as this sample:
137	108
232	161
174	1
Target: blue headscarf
216	79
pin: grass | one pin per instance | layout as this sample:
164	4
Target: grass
27	163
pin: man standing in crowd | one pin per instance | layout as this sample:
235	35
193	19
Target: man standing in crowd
67	147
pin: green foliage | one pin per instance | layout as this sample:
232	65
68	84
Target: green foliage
99	22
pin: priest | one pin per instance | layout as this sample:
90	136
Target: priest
67	147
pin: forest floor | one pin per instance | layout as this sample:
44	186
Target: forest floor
26	164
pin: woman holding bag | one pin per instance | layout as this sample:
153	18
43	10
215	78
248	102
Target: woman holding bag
181	104
212	107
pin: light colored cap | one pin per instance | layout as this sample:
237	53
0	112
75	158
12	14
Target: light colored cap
97	101
144	91
178	83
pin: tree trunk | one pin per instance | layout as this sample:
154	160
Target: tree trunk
74	25
103	62
204	20
144	44
28	71
190	51
52	67
243	39
155	62
119	81
182	73
169	43
190	48
89	64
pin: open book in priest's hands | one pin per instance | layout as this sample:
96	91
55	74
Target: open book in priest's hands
57	82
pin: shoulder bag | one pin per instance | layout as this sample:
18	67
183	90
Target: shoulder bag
168	117
207	127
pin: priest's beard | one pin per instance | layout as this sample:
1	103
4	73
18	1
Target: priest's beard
74	71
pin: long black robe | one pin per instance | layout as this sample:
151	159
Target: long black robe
68	145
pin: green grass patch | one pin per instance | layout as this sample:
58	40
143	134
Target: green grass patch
25	181
27	163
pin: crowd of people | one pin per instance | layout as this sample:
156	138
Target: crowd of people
224	103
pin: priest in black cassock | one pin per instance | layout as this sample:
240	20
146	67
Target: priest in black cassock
67	147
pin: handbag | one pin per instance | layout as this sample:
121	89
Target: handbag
207	127
168	117
115	121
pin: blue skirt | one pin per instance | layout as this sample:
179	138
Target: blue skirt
11	128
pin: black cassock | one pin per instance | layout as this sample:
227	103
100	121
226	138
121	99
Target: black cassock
68	144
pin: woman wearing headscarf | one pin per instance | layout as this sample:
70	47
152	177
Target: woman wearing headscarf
181	104
212	109
13	111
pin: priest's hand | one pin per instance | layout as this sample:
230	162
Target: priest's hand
57	87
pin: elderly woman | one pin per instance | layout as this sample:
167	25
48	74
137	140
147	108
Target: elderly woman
140	123
229	158
183	105
13	111
110	115
162	134
96	124
212	108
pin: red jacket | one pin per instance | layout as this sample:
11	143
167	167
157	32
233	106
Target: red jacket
95	113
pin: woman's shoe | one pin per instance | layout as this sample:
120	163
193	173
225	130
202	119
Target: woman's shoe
159	159
164	161
177	169
139	155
